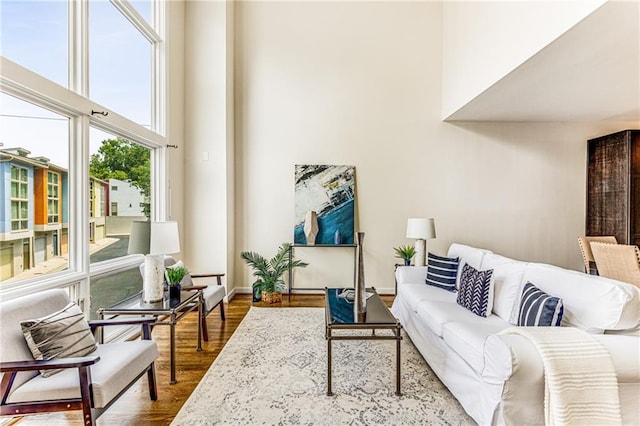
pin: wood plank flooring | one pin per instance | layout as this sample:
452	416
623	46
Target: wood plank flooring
135	408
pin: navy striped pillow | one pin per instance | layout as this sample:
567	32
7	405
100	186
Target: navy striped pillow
537	308
442	271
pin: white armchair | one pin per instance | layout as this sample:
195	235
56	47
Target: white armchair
90	383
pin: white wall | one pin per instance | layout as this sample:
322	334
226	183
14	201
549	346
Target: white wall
360	83
175	113
483	41
208	138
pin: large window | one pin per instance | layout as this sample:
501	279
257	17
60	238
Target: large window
80	107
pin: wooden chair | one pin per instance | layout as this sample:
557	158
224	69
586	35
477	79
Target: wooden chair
617	261
90	383
590	266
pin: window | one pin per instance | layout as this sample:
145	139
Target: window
34	34
19	198
116	159
62	218
53	200
113	40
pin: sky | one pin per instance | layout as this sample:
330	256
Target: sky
34	34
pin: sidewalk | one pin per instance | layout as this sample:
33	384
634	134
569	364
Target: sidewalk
58	263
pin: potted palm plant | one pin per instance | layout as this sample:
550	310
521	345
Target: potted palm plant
270	284
405	253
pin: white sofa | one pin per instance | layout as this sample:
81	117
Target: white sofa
498	379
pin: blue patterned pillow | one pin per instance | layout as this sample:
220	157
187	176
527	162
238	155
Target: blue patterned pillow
442	271
537	308
476	290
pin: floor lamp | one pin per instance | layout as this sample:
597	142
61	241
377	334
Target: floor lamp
421	229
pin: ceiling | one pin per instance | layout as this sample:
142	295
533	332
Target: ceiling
590	73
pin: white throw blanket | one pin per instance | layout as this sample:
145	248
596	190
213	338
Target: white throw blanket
581	387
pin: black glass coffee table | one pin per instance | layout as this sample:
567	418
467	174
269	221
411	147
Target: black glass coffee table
339	315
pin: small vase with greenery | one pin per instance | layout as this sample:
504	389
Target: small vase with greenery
405	253
270	284
175	275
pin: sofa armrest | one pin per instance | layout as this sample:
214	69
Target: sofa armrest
51	364
411	274
513	362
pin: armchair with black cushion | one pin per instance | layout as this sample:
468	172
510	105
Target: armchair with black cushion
91	383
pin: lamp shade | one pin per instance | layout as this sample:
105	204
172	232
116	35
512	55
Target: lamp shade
139	238
421	228
164	238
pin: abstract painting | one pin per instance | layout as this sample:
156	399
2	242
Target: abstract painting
330	192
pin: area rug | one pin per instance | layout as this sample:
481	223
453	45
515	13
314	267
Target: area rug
273	371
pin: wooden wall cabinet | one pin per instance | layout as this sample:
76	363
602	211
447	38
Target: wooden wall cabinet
613	186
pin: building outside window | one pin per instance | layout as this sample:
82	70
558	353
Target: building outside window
53	200
19	198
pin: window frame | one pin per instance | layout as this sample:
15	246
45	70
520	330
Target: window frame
73	103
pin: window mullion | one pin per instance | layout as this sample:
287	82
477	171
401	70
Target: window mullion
79	46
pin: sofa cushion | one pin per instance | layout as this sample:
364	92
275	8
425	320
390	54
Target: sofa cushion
507	285
591	303
471	255
442	272
467	338
413	294
119	364
61	334
436	314
476	290
537	308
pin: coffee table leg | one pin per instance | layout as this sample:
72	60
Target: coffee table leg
398	337
329	392
172	326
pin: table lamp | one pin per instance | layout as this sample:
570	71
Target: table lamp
421	229
154	240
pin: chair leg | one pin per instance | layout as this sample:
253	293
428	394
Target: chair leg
153	389
85	392
222	310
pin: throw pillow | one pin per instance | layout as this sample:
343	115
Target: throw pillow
537	308
476	290
442	271
63	334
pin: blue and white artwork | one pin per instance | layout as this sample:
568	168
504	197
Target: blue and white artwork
330	192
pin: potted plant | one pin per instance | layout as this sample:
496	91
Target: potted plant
270	284
174	276
406	253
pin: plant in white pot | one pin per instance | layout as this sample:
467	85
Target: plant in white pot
269	273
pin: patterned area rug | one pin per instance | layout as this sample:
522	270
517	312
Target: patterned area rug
273	371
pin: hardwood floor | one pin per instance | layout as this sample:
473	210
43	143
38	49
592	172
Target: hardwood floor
135	408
